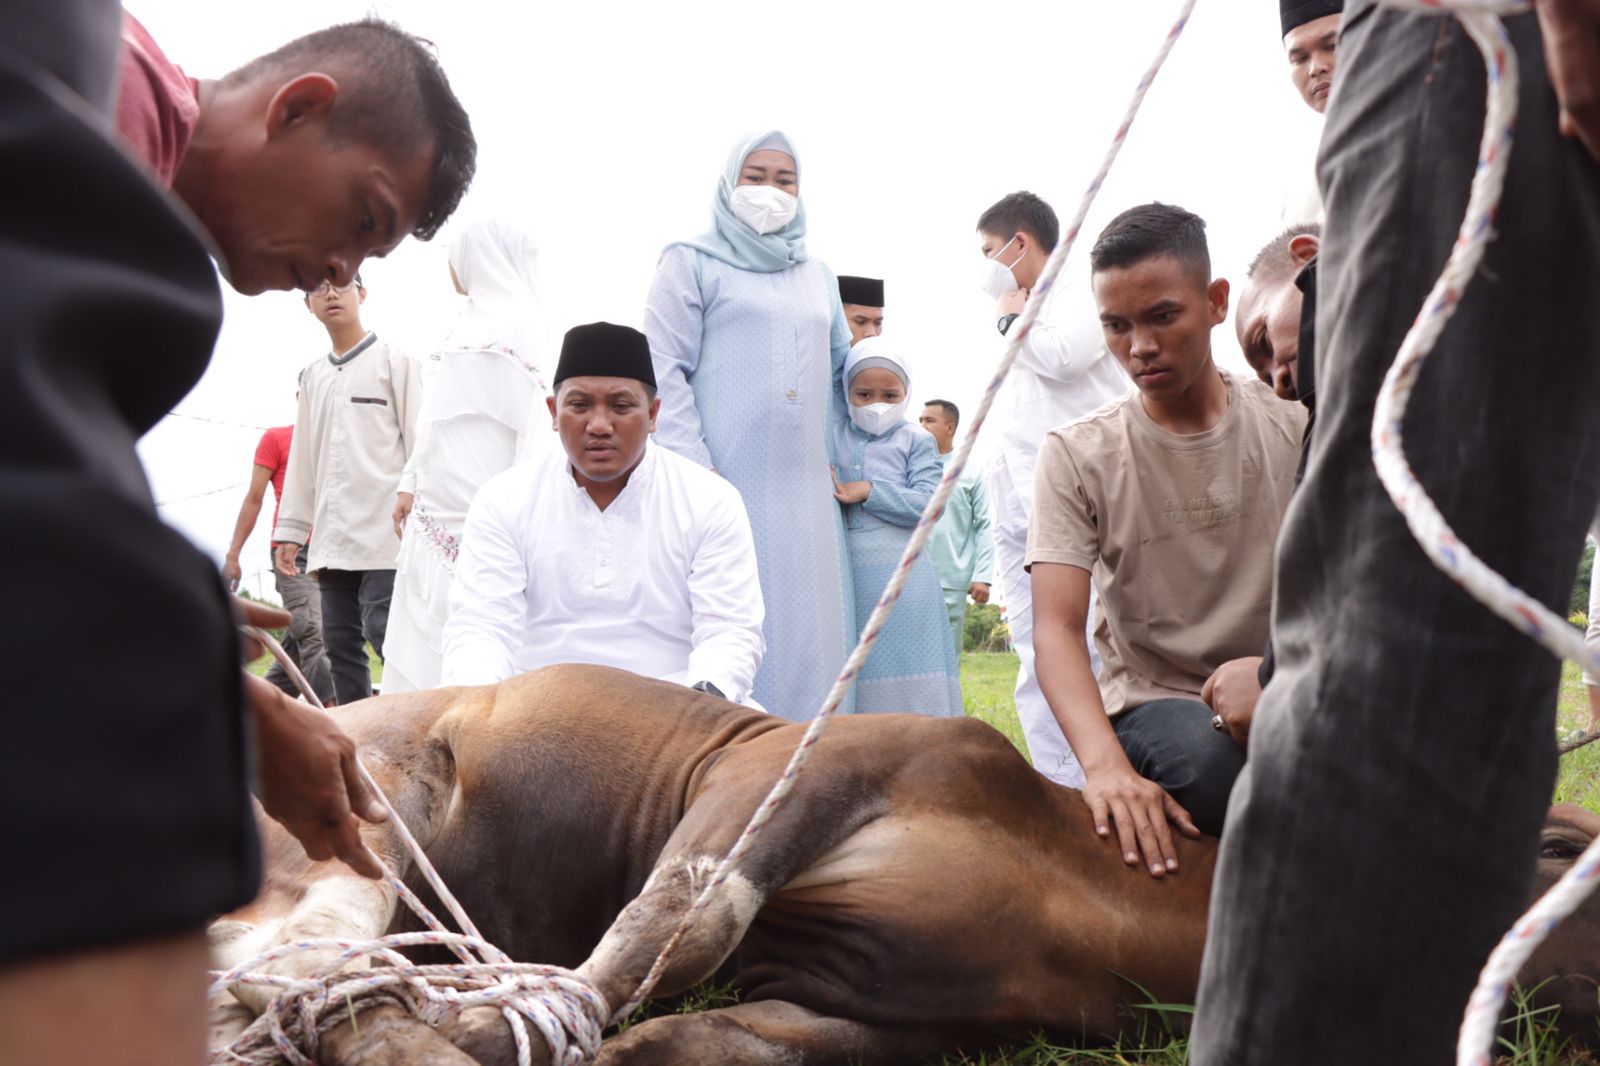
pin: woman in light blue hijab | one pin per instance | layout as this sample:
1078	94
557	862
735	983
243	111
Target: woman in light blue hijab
749	341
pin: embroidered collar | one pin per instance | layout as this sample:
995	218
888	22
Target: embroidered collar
366	342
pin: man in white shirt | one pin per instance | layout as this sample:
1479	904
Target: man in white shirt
613	551
353	433
1062	373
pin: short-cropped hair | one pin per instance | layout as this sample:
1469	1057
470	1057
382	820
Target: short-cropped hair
1152	230
1026	212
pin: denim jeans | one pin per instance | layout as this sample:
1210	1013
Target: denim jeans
1384	831
355	612
1172	743
303	639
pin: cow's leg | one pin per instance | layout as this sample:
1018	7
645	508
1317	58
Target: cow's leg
335	902
838	793
769	1033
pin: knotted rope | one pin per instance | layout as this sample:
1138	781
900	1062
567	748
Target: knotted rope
568	1013
1480	19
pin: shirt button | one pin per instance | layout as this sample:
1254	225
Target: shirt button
791	394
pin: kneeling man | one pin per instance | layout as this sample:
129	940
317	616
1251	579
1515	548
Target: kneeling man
613	551
1171	498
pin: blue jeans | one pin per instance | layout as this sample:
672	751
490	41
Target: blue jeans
1172	743
1384	832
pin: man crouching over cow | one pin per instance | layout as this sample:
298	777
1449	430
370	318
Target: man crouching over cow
1166	498
614	552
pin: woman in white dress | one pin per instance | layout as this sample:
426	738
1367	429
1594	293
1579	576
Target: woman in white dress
483	409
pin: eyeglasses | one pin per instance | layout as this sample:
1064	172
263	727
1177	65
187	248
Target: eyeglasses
328	286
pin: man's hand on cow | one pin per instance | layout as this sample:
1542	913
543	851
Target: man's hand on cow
402	508
1571	32
1232	691
308	778
1139	809
849	491
979	591
283	556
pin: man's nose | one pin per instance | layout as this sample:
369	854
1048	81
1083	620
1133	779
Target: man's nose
341	269
1142	343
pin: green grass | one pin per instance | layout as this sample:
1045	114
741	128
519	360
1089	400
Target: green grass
259	667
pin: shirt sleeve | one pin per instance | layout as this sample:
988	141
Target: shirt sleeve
674	322
1064	527
1062	351
902	505
725	602
405	376
838	353
982	534
298	503
268	453
488	599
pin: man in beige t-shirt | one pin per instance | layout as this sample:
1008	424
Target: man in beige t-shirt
1170	498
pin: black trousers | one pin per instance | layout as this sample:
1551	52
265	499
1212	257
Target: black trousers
1172	743
355	612
1383	834
123	771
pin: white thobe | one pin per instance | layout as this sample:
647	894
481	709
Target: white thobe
353	433
662	582
1062	373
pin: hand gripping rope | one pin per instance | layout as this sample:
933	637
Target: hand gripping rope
558	1002
1480	19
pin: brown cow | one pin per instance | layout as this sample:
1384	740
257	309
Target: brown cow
923	890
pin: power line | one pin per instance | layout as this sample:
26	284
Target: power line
216	421
210	492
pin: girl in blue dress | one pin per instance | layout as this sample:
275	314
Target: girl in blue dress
888	470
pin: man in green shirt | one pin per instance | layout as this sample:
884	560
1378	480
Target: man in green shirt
962	546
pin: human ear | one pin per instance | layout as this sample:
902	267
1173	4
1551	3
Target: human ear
655	408
1218	294
1304	248
550	402
307	96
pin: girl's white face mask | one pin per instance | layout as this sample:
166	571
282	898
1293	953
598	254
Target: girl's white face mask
764	208
876	418
997	279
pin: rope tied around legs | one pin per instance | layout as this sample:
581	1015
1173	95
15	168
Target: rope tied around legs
569	1014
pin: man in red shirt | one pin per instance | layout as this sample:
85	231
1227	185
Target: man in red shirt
298	591
126	761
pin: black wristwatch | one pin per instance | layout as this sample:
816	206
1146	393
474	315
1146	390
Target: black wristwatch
709	689
1005	323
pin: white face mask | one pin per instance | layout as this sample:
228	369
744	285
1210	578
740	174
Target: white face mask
876	418
764	208
997	279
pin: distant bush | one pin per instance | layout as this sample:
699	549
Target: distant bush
985	629
1580	586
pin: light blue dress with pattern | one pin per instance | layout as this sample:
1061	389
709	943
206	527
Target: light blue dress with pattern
913	666
748	366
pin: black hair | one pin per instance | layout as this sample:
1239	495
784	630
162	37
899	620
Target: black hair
1022	211
1152	230
951	411
403	104
1273	262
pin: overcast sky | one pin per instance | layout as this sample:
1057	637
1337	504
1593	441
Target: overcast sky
602	129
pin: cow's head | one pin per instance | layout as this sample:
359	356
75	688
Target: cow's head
1569	961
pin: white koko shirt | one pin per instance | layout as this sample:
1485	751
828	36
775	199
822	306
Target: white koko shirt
1063	372
353	433
662	582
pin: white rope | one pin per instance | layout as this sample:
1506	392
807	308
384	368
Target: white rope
568	1012
919	537
1480	19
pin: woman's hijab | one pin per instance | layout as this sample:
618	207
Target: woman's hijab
735	243
498	265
